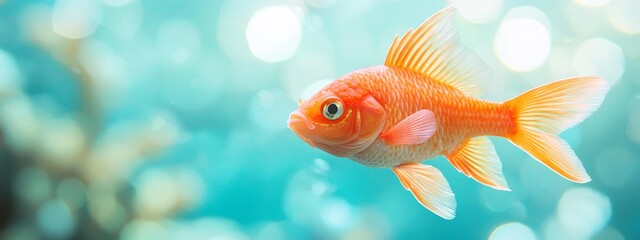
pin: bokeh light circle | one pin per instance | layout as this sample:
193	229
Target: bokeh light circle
599	57
274	33
512	230
75	18
583	212
623	15
592	3
479	11
522	44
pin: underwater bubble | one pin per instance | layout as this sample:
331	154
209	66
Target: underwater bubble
599	57
144	229
33	185
592	3
479	11
616	166
72	192
270	110
512	230
178	40
522	44
314	88
274	33
623	15
56	220
76	18
583	212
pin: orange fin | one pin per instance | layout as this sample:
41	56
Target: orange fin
434	49
429	187
477	159
414	129
544	112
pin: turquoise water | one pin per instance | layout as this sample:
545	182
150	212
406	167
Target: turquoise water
140	119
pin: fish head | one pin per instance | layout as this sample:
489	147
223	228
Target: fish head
340	124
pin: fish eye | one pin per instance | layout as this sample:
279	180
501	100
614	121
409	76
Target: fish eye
332	110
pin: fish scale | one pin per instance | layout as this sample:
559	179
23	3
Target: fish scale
403	92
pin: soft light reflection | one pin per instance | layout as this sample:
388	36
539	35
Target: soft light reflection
583	212
76	18
512	230
522	44
479	11
623	15
599	57
592	3
337	214
273	33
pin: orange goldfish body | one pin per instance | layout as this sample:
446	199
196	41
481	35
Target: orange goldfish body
420	105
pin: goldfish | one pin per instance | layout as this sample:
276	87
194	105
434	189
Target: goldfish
422	103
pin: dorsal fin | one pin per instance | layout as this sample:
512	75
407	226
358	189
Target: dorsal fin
435	50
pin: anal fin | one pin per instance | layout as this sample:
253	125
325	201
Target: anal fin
429	187
476	158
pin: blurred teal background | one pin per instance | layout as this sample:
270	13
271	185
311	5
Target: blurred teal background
141	119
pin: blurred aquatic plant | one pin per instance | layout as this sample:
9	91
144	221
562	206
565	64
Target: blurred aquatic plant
72	170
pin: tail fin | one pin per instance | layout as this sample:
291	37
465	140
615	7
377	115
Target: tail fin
544	112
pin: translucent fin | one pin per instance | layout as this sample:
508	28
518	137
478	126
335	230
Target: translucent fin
477	159
434	49
429	187
414	129
544	112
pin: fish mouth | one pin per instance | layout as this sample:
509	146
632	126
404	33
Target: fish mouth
296	122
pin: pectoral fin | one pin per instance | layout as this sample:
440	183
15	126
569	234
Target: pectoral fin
429	187
415	129
477	159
